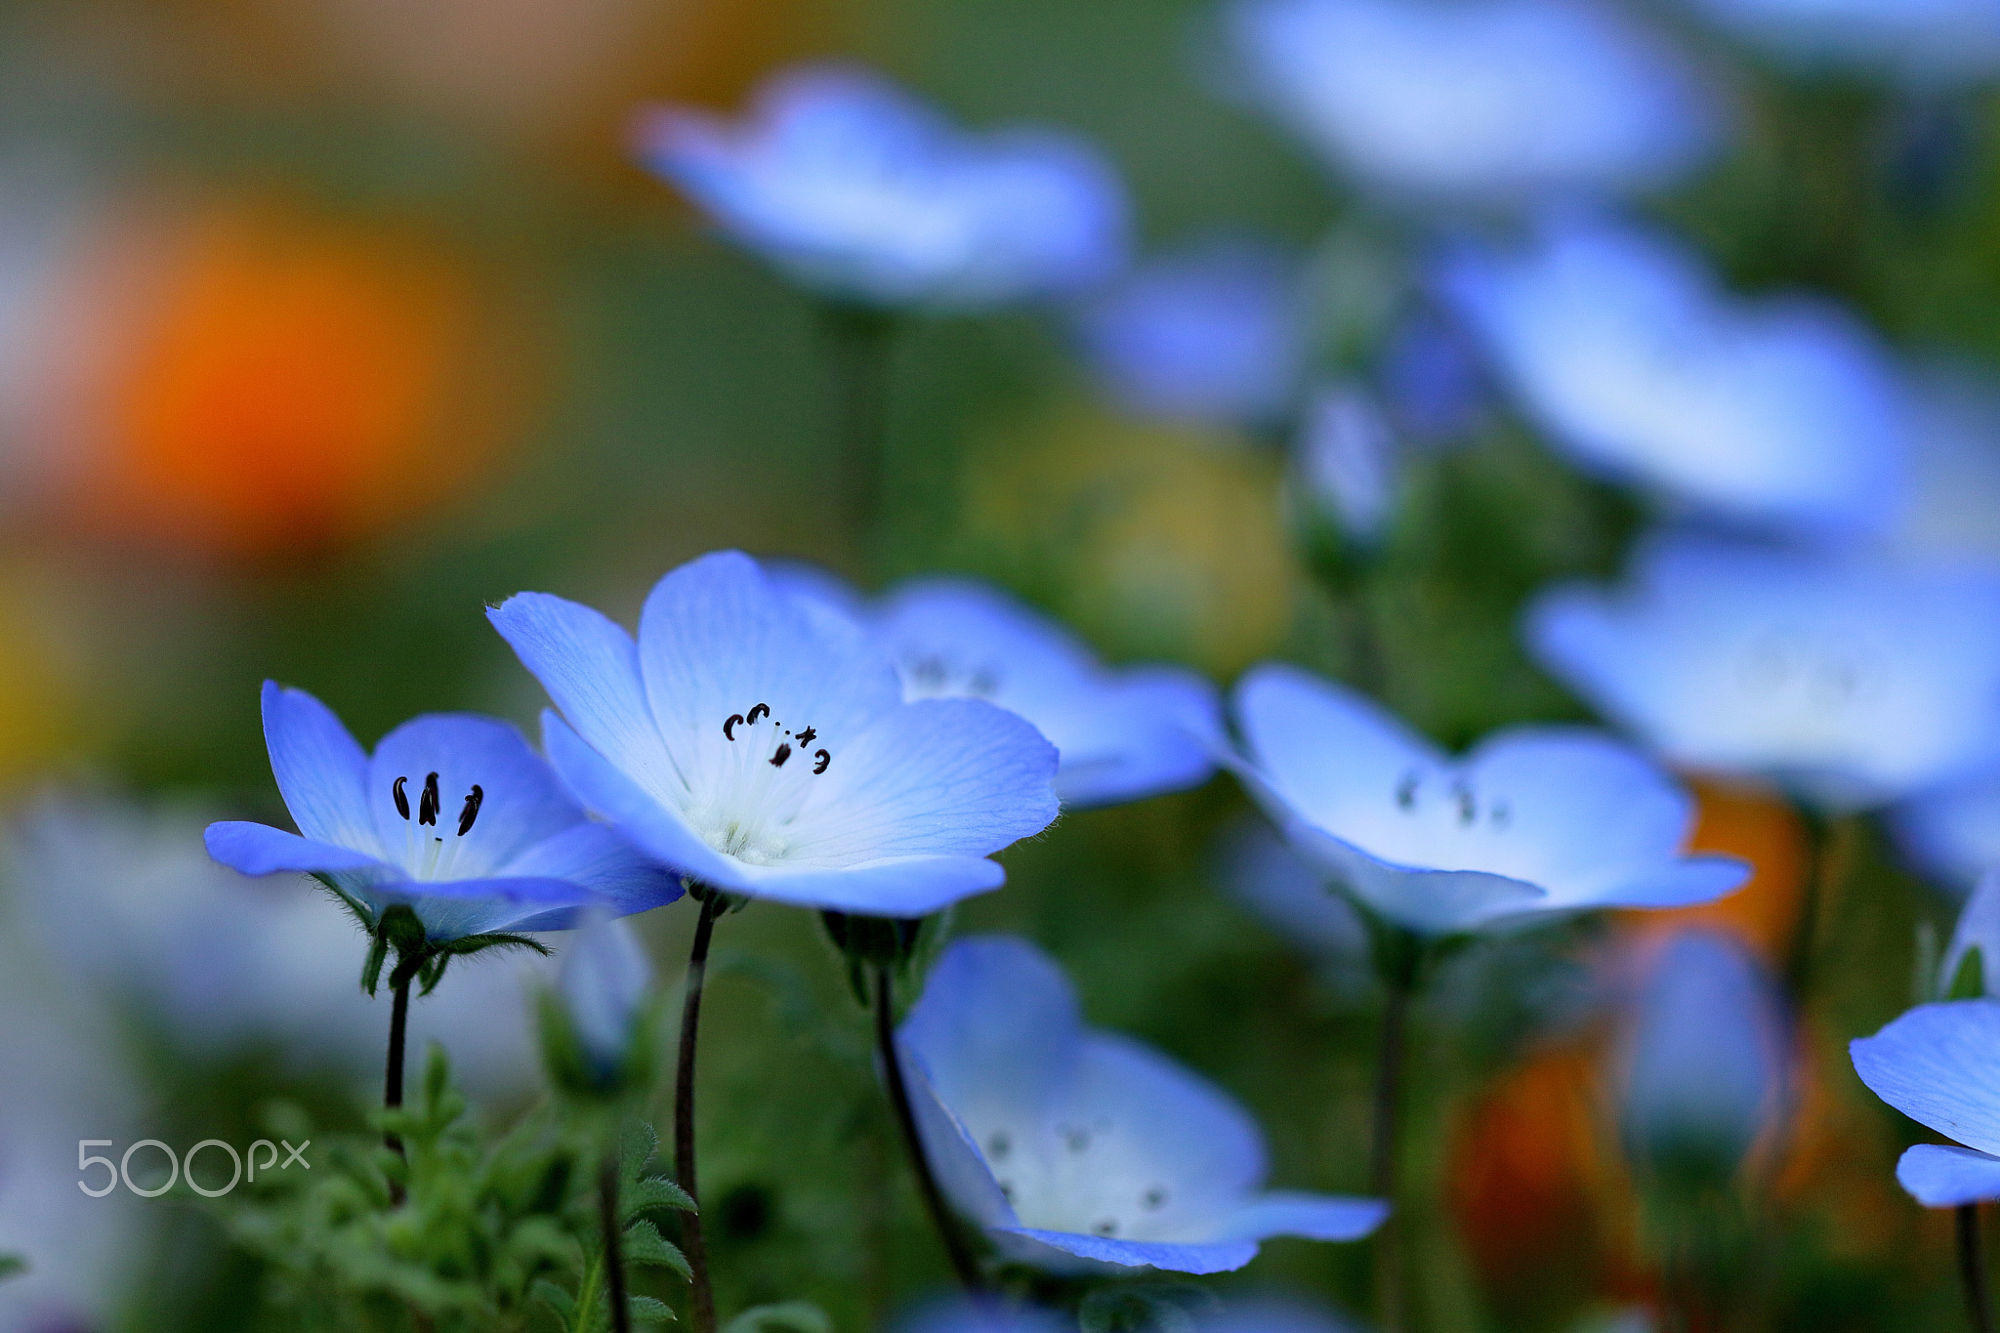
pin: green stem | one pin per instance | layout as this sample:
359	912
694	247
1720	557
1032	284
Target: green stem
1972	1269
1399	990
614	1257
963	1265
701	1295
859	341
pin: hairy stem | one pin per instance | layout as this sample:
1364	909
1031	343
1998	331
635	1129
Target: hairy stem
701	1296
1972	1269
963	1265
614	1254
1384	1144
392	1074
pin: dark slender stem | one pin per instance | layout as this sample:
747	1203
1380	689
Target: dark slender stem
701	1296
858	343
614	1249
963	1265
1384	1145
1830	847
392	1074
1972	1269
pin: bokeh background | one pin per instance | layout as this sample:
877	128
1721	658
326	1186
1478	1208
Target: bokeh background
324	323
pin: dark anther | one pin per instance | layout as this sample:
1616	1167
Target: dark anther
808	736
473	800
729	725
1007	1190
1406	791
757	713
1154	1198
820	760
427	807
1077	1139
998	1147
784	752
402	798
1501	814
984	684
1468	807
1106	1228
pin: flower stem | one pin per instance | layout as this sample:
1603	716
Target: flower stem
392	1075
701	1296
614	1257
1399	990
1972	1269
858	344
1831	846
963	1265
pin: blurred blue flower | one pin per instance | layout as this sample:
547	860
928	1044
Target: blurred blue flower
1296	898
1782	412
602	985
1478	101
453	815
1121	734
762	745
1431	382
1076	1149
859	191
1977	931
1951	833
1213	332
1939	1064
1271	1316
1954	467
967	1316
1922	42
1702	1070
1534	820
1851	680
1349	462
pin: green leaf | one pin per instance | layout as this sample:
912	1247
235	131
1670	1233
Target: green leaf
645	1245
637	1143
553	1296
649	1310
655	1192
788	1317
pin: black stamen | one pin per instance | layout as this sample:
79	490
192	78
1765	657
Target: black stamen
427	807
1406	791
1154	1198
757	713
729	725
784	753
1468	806
473	800
1107	1228
402	798
807	737
822	759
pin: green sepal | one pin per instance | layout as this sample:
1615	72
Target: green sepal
371	967
1968	981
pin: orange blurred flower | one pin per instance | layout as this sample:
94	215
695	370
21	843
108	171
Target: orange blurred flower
275	382
1761	828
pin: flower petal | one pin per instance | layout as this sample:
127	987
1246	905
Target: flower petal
594	856
1308	1216
961	1168
652	825
997	1022
320	768
1323	750
1938	1176
519	801
259	849
909	886
453	908
1174	1257
1151	732
1939	1064
936	777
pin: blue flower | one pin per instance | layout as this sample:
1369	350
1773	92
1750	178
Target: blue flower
1783	412
1977	934
1939	1064
1851	680
1293	896
452	815
602	985
859	191
1350	462
1209	333
1075	1149
1270	1316
1951	833
1922	42
1478	101
968	1316
1534	820
1121	734
762	745
1703	1066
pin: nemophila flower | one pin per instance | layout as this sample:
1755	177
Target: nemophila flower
1121	733
1211	332
969	1316
762	745
1295	897
1349	462
1939	1064
1924	42
1075	1149
453	816
1851	680
860	191
1701	1072
602	985
1479	101
1269	1316
1533	820
1951	833
1629	355
1954	437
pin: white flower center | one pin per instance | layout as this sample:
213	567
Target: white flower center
932	675
761	782
430	850
1083	1178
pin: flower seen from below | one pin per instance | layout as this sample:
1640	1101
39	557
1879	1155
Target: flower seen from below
1939	1064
